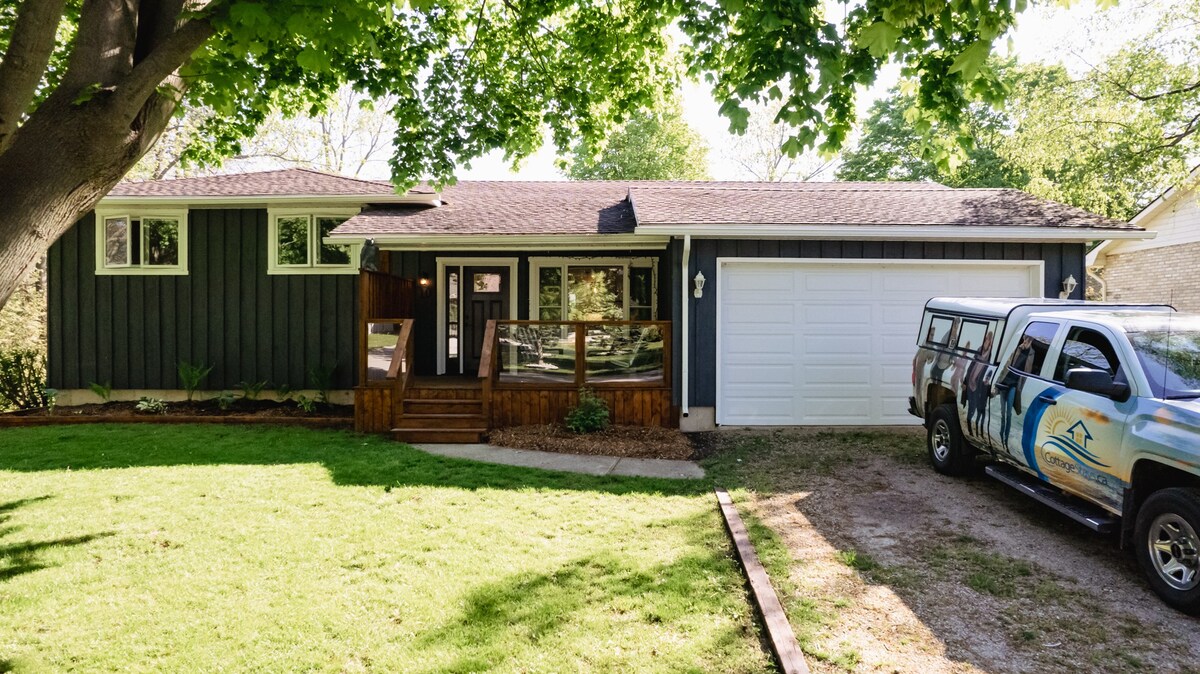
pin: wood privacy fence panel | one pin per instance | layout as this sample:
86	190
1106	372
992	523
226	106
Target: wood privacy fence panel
627	407
385	296
374	409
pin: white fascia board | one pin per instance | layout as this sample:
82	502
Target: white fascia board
263	201
517	242
893	232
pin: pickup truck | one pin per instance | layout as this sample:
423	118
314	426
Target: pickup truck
1093	409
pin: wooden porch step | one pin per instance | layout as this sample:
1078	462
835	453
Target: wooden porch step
441	421
439	435
418	406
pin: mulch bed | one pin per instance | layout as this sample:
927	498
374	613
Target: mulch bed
625	441
200	410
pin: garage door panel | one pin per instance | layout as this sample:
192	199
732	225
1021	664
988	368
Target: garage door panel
832	343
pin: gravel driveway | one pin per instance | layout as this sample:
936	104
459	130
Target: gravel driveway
895	568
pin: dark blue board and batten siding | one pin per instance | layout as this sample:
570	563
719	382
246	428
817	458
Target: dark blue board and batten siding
227	312
1060	260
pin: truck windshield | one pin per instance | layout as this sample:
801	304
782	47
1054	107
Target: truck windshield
1171	361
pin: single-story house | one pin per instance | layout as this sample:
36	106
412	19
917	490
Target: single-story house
490	303
1157	269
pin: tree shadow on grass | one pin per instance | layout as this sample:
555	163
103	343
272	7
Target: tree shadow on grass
530	613
351	459
17	559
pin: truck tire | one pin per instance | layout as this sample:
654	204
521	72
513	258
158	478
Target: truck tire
949	452
1167	544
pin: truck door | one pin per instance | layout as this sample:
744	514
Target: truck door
1016	390
1077	442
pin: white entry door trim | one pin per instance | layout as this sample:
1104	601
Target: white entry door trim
1034	268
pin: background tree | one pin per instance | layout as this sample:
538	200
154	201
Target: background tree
1107	140
655	144
759	152
87	87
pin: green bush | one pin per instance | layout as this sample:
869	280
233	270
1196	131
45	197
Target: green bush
589	416
22	379
151	406
102	391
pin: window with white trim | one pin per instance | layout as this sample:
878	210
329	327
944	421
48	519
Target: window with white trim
145	243
593	289
299	243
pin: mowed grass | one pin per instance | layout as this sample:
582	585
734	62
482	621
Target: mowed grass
205	548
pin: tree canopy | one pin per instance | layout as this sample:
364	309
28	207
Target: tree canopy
88	86
655	144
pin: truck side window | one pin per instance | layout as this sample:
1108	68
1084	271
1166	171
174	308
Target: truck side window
1085	347
1030	354
940	328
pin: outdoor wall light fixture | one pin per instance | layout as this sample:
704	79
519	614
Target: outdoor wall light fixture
699	280
423	281
1069	284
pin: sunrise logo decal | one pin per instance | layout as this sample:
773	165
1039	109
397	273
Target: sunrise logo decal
1071	439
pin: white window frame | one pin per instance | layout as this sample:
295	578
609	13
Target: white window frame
536	264
312	266
135	267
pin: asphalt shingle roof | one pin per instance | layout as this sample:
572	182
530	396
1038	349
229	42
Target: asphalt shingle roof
285	182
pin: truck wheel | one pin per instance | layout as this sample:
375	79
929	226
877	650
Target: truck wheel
1168	547
949	453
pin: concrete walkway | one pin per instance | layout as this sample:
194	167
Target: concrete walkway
569	463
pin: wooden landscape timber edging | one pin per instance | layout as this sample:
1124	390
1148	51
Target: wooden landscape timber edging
10	421
779	630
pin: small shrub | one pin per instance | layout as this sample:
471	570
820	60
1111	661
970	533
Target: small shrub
589	416
307	404
102	391
226	400
190	376
283	392
22	379
51	397
322	380
151	406
252	391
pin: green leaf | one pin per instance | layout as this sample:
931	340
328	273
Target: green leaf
87	93
971	59
879	38
313	60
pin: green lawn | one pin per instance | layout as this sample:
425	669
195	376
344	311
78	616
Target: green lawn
204	548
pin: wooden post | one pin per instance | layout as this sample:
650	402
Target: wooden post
580	354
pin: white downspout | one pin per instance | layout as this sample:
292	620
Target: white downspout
684	335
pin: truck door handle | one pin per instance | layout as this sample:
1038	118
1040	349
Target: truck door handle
1047	399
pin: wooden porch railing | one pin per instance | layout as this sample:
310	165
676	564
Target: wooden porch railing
379	397
531	371
402	365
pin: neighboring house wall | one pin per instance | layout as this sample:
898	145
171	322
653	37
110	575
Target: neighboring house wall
227	312
1160	269
1160	275
1060	260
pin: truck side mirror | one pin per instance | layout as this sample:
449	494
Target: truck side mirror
1099	382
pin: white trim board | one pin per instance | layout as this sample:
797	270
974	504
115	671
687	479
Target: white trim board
439	284
524	243
1036	277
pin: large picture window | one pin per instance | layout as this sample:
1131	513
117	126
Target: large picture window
593	289
300	244
146	243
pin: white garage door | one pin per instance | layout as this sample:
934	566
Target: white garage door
832	343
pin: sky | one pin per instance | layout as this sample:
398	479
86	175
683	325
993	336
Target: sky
1074	35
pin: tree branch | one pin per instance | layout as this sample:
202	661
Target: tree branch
25	61
165	58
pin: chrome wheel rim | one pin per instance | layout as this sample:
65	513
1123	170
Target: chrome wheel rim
940	440
1173	551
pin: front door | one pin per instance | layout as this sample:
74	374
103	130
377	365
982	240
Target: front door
485	297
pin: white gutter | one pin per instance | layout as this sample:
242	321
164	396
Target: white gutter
684	337
267	199
893	232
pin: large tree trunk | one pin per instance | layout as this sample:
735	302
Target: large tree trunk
109	109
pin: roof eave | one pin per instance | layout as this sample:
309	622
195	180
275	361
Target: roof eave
511	242
893	232
272	199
